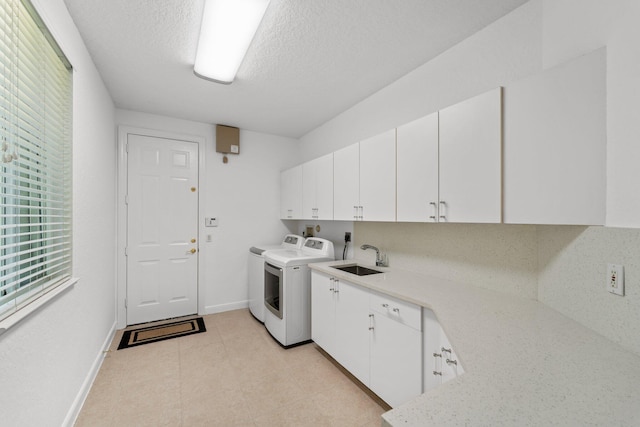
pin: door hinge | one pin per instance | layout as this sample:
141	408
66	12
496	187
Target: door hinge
125	303
126	199
126	251
126	148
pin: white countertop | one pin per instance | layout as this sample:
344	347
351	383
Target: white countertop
525	363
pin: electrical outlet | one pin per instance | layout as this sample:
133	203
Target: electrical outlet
347	236
615	279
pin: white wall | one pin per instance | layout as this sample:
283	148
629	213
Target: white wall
47	357
505	51
243	194
564	265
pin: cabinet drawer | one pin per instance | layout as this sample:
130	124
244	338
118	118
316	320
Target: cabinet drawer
400	311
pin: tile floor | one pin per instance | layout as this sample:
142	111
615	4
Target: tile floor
234	374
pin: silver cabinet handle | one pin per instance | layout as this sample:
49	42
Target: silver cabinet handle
385	305
396	310
443	203
451	362
445	350
437	373
435	211
437	355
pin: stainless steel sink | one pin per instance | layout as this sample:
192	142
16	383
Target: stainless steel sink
356	269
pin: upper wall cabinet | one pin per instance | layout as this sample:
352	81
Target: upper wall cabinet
317	188
364	180
378	177
291	193
555	145
417	166
470	151
346	183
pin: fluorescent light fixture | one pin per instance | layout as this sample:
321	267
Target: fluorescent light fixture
227	28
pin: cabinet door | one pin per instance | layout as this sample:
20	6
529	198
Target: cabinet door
470	160
324	187
291	193
396	361
555	145
437	351
451	367
352	329
378	177
309	184
417	166
346	184
323	312
432	354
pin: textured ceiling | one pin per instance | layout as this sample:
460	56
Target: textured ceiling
309	60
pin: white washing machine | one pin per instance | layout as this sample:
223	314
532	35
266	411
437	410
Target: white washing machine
287	290
256	272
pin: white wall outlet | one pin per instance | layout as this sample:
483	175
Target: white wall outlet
211	222
615	279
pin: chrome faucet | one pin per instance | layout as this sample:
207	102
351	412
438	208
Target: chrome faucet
379	260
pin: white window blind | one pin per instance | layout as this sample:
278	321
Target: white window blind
35	158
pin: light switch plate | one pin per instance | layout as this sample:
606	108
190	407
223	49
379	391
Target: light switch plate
615	279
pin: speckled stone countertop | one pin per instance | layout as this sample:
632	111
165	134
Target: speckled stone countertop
525	363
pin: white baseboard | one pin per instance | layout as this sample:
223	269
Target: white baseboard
220	308
74	411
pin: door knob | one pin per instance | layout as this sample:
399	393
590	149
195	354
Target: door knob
193	250
193	240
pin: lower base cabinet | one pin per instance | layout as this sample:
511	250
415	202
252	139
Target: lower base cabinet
375	337
396	358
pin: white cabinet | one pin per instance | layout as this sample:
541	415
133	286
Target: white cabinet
340	322
470	151
441	363
317	188
378	177
346	183
352	329
375	337
396	349
417	166
291	193
323	312
555	145
365	180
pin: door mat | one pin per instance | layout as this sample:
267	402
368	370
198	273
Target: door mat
166	331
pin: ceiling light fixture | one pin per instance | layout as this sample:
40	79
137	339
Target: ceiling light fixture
227	28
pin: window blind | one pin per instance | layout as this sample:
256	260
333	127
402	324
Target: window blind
35	158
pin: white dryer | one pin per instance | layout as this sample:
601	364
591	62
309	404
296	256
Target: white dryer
287	290
256	272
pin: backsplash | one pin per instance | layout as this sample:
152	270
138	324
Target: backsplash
572	278
493	256
564	267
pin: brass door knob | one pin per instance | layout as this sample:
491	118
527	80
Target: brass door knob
193	240
193	250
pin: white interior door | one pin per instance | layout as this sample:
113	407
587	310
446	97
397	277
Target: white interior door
162	228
